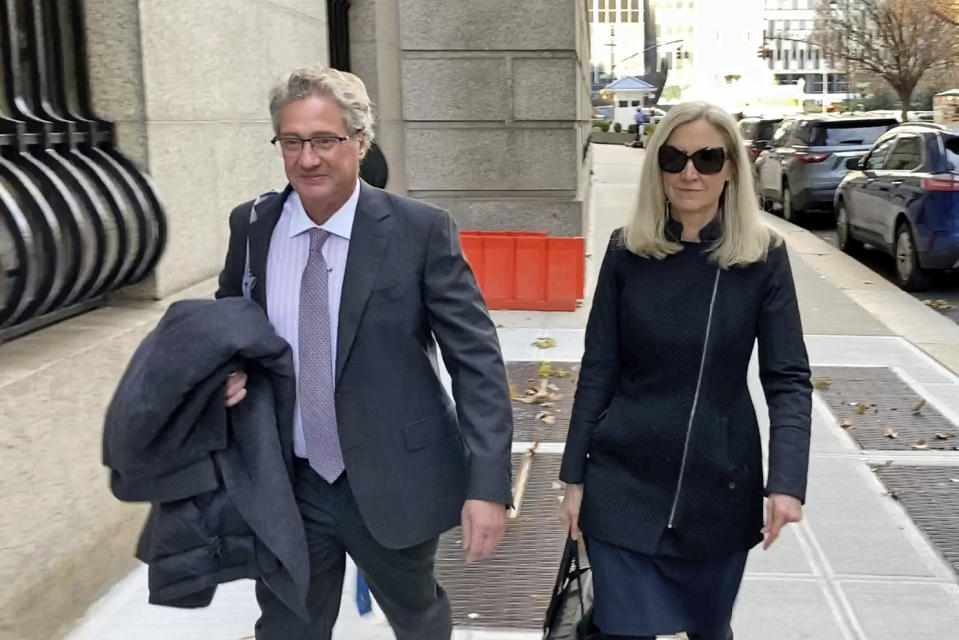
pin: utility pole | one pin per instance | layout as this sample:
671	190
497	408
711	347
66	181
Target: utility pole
612	52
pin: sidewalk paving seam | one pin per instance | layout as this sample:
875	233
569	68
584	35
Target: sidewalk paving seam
843	612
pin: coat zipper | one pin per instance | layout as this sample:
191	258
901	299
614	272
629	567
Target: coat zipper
692	412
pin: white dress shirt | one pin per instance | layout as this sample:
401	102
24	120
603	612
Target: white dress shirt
289	251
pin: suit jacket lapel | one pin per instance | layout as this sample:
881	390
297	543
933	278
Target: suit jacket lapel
368	243
260	233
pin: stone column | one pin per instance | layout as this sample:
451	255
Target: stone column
187	85
495	106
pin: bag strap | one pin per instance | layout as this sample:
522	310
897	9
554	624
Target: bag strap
579	575
249	280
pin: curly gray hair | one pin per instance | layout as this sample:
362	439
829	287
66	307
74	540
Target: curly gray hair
346	89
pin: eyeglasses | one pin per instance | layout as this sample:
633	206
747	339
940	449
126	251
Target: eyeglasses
293	145
708	160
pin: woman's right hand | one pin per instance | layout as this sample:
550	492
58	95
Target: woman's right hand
569	509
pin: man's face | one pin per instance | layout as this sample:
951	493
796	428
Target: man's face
323	178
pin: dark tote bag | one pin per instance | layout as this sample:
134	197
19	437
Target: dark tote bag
570	606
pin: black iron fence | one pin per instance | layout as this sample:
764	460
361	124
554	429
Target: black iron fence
77	218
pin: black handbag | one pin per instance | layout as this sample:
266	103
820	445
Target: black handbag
569	614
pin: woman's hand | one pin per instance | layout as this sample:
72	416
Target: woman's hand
780	510
569	509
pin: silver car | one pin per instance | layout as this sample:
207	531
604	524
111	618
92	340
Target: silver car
807	157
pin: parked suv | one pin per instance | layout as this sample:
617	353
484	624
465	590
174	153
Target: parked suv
757	133
806	160
903	199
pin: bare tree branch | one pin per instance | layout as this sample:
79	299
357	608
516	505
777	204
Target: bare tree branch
897	40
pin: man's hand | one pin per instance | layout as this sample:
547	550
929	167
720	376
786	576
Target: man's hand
569	509
235	389
483	526
780	510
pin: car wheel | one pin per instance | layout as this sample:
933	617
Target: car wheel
909	275
844	233
790	212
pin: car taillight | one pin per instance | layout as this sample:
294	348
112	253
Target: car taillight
941	182
811	158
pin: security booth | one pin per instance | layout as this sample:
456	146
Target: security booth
627	94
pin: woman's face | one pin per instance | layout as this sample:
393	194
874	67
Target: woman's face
691	191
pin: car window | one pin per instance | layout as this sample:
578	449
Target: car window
878	155
746	130
951	145
835	134
766	129
803	133
906	156
782	134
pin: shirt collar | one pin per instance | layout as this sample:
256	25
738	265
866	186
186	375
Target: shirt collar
339	224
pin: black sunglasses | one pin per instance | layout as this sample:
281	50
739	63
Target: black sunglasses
708	160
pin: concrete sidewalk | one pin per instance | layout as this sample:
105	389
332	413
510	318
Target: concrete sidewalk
856	568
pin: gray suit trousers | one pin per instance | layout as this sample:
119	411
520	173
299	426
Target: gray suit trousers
401	580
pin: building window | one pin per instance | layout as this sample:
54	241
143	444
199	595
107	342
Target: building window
635	103
624	103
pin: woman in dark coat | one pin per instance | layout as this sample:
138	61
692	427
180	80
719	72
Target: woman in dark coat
663	462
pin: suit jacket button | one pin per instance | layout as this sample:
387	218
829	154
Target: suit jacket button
732	485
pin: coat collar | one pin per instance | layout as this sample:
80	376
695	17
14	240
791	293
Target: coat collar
372	228
712	232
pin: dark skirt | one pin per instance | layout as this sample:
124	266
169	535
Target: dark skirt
640	595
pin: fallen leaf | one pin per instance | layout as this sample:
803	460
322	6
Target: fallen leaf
552	387
545	369
545	342
821	384
919	406
862	408
548	405
867	281
575	367
526	400
549	420
540	597
472	616
560	373
846	423
555	397
939	304
512	390
889	433
944	436
557	484
541	415
920	444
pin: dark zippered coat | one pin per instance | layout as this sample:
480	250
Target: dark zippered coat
653	482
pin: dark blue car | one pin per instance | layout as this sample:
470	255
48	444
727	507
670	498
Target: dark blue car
902	197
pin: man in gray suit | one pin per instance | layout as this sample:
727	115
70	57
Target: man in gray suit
363	284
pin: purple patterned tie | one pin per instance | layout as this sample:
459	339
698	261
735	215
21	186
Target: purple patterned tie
317	406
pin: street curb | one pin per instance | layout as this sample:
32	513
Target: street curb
933	333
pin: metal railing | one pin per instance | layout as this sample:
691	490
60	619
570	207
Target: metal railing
77	218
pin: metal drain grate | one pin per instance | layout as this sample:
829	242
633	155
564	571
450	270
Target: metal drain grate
890	403
512	588
526	428
931	496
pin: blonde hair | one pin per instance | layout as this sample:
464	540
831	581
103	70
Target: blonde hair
745	238
346	89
